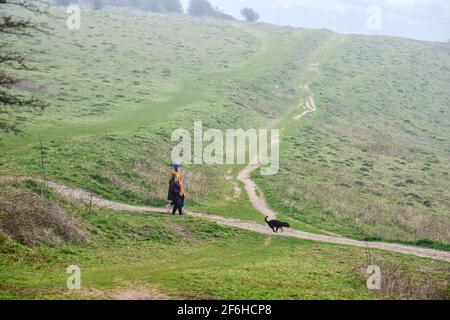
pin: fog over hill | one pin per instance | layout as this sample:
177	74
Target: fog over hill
417	19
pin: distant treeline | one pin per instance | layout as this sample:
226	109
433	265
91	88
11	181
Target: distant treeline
148	5
173	6
197	8
202	8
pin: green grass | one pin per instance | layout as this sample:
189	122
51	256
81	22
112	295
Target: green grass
366	165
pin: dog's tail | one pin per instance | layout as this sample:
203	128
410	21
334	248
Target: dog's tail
267	219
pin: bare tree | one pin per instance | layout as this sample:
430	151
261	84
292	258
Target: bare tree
12	26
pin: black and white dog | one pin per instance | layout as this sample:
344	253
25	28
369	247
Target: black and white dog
275	224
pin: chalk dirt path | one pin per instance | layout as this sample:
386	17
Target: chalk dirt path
255	195
82	195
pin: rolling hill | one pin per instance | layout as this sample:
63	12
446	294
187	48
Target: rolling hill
371	163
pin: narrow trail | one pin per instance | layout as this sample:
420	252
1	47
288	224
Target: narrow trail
237	189
255	195
82	195
310	104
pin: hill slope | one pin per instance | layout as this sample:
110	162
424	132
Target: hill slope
371	162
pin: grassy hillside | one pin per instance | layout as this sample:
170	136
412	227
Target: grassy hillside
227	74
371	163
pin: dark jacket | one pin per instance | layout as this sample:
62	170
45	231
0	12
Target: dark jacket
174	191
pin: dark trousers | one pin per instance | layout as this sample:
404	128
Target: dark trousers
177	205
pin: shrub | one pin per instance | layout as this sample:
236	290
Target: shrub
250	15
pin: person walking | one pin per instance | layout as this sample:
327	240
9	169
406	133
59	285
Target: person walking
175	195
177	170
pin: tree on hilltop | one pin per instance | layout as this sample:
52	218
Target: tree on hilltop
250	14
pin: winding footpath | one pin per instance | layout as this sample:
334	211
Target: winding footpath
258	201
310	104
82	195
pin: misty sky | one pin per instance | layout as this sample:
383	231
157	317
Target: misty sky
418	19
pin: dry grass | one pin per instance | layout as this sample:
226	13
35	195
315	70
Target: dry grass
156	176
198	181
369	211
399	284
33	220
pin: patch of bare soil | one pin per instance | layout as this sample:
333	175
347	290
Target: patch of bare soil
118	294
185	233
29	86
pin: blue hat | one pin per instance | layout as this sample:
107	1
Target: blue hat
176	165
